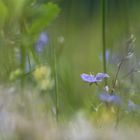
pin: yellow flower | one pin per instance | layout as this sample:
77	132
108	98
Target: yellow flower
42	72
46	84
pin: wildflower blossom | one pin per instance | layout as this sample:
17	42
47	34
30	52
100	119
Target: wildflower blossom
110	98
42	77
132	106
41	42
90	78
111	57
107	55
100	76
42	72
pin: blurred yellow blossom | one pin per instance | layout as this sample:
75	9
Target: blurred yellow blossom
42	72
42	76
46	84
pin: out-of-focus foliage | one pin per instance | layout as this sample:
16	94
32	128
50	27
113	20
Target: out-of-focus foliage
21	21
45	14
49	56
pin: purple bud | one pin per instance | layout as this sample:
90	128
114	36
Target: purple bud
41	42
132	106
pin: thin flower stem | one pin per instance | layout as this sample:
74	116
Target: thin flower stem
113	87
116	76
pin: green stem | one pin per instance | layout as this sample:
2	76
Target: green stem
117	73
113	88
23	65
56	85
104	36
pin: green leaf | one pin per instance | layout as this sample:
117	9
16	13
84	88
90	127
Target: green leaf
46	14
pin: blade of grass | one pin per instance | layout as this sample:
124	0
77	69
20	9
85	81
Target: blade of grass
104	36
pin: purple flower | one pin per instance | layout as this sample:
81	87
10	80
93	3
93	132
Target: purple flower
110	98
113	58
41	42
90	78
107	55
100	76
132	106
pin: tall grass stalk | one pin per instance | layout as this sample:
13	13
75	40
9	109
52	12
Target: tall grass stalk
104	36
23	65
56	84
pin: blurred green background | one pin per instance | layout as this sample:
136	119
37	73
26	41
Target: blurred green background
74	29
